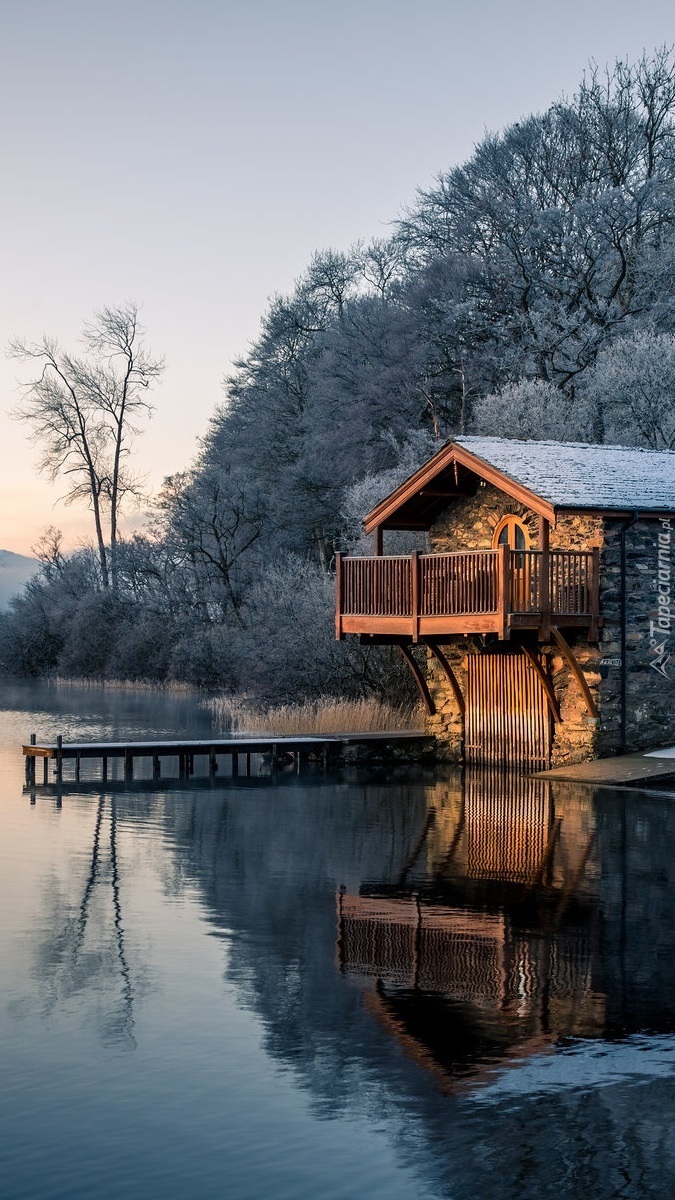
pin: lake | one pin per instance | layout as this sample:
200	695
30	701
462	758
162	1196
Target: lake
387	984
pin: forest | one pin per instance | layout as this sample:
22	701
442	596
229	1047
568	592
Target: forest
528	293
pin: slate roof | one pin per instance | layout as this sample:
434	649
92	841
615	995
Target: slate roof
577	475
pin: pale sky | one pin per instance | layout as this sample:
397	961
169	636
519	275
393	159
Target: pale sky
192	156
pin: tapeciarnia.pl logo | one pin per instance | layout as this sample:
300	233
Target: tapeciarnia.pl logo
660	628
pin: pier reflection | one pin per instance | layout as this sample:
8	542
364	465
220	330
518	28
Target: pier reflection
487	944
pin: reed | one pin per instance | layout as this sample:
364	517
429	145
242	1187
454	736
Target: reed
314	717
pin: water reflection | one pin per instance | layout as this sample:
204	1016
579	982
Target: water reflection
481	967
489	917
487	943
82	952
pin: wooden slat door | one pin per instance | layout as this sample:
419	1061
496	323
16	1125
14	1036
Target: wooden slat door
507	715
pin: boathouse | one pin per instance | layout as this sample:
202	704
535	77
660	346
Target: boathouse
537	616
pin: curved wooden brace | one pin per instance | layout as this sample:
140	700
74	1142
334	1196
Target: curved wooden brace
568	654
544	681
452	678
419	679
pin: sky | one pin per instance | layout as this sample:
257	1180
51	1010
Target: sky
191	156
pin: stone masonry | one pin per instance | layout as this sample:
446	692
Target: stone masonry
649	635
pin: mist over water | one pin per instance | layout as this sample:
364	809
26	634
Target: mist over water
390	985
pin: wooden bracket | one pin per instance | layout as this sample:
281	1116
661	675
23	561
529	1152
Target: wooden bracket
419	679
544	680
568	654
451	677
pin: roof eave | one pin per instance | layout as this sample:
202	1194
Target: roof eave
384	511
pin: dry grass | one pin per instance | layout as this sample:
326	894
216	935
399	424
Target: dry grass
315	717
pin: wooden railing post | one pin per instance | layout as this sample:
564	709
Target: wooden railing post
338	597
503	589
415	594
544	580
594	594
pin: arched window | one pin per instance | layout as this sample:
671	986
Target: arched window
512	532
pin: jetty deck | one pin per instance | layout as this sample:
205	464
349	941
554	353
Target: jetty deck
238	752
624	768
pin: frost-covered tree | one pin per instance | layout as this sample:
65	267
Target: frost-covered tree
631	391
563	217
533	409
363	495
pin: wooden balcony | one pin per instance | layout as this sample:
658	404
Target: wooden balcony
472	591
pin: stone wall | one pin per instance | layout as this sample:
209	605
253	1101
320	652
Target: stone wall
470	524
650	631
650	635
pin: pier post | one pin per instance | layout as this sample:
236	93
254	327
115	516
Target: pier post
128	765
156	766
104	769
77	767
59	758
235	765
45	770
30	761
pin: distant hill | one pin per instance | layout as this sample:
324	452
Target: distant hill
15	570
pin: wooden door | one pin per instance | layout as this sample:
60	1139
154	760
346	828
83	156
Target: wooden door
507	716
513	533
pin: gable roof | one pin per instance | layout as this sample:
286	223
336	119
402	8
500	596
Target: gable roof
545	476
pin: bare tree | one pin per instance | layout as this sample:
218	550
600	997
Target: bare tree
211	524
84	412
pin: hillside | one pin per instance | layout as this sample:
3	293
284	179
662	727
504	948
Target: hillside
15	570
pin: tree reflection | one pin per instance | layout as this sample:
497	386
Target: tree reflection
83	956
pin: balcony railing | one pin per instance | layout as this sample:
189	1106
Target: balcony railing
466	591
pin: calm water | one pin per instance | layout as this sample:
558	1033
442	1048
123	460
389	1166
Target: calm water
408	986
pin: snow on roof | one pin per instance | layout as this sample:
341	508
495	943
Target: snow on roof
577	475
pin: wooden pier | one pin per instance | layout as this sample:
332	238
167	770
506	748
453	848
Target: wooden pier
633	769
238	753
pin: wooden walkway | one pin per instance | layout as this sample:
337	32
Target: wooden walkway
238	752
625	768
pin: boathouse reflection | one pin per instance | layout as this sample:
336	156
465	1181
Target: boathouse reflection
487	944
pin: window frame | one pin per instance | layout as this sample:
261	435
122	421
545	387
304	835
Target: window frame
511	522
